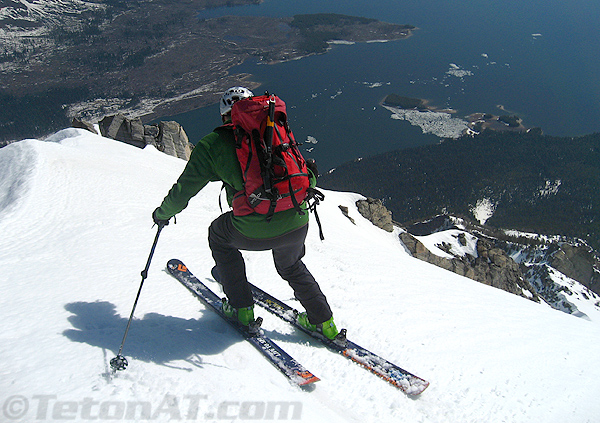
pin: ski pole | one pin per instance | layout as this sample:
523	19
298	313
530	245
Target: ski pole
120	362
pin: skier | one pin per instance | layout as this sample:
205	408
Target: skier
214	159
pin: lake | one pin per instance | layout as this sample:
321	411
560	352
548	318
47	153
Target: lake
537	59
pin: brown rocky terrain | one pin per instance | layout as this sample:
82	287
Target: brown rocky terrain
155	58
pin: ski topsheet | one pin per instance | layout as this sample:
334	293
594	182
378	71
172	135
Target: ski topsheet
297	373
391	373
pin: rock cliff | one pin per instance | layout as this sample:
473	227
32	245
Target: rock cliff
537	267
374	210
168	136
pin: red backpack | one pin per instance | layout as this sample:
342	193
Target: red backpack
274	171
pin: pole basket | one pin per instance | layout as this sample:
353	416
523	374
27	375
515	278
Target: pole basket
119	363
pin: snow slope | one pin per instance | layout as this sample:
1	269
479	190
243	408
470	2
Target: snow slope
75	232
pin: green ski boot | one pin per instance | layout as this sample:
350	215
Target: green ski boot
326	328
244	315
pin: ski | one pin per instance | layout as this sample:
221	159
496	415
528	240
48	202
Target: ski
294	371
391	373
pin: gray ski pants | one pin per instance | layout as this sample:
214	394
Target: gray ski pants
226	242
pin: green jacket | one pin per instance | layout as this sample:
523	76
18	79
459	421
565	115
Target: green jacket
214	159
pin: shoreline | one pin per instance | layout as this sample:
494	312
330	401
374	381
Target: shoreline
409	103
481	121
153	108
446	126
172	106
186	66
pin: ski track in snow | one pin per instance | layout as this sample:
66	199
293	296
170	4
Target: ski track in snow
75	232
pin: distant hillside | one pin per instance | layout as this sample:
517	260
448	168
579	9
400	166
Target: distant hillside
524	181
144	58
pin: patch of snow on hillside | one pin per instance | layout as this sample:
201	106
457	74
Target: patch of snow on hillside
53	11
587	302
34	20
451	243
543	238
483	210
550	188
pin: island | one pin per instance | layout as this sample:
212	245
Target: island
151	59
478	122
475	122
409	103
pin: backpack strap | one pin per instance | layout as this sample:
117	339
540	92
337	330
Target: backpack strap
227	126
220	195
313	198
272	206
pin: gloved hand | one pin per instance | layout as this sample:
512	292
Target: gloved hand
160	222
312	165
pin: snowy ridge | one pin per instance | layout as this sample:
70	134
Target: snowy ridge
40	12
556	289
75	231
24	25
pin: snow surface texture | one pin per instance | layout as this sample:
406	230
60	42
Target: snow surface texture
75	232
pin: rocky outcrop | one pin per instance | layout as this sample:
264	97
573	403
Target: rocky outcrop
578	262
555	295
345	212
492	266
79	123
173	140
561	271
374	210
120	128
495	268
168	137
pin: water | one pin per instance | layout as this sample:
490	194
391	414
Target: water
536	58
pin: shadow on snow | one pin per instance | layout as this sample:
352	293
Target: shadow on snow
154	338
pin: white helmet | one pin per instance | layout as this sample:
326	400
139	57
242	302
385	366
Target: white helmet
231	96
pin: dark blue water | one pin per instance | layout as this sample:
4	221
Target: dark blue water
538	59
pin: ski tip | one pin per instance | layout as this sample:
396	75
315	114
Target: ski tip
304	377
307	378
175	265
